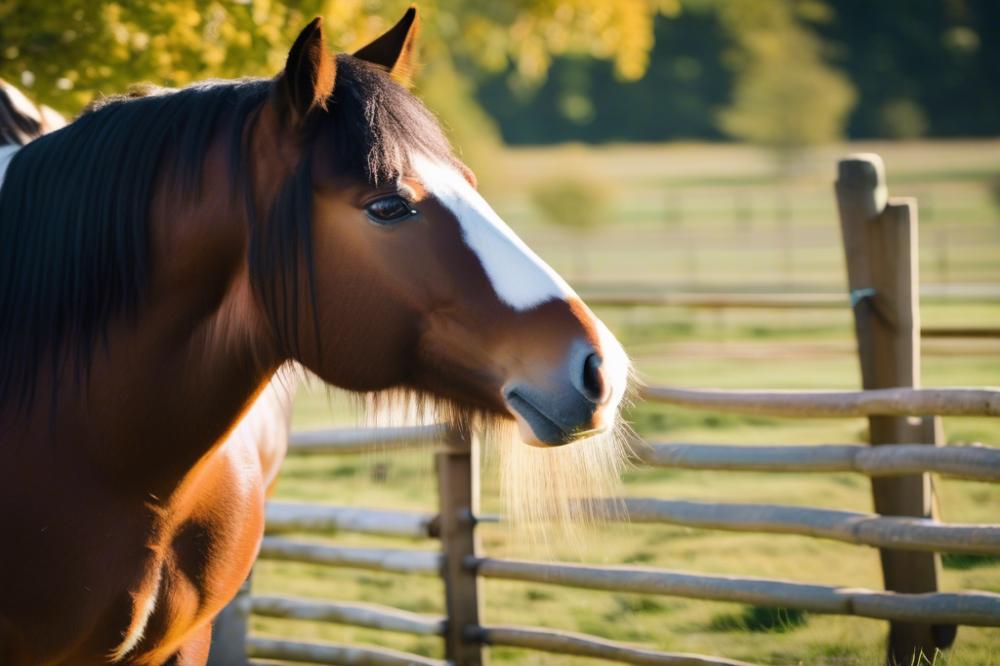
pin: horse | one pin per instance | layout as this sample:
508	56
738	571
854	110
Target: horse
267	422
21	120
164	256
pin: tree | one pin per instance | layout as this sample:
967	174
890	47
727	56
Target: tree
64	51
583	99
786	97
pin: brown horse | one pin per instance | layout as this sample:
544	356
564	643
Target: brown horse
162	257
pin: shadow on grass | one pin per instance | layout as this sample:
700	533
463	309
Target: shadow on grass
648	418
963	561
759	619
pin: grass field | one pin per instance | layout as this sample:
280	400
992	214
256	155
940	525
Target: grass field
681	219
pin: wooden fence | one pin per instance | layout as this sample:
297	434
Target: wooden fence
906	445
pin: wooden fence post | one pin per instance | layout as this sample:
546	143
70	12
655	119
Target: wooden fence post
458	489
880	244
229	631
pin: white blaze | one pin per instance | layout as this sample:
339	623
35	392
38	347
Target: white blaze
519	277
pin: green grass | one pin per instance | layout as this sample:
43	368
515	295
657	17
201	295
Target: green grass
723	235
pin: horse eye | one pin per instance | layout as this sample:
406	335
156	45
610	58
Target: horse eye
389	210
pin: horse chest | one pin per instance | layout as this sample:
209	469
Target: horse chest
86	580
212	529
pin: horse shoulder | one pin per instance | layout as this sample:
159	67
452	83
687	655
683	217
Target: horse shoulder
213	525
263	430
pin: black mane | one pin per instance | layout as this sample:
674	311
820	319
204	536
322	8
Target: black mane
74	206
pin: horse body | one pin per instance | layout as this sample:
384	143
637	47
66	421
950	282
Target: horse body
126	580
143	497
318	218
135	597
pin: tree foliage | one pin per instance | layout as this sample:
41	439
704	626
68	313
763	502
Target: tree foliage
750	70
778	72
786	97
929	68
585	99
63	51
574	201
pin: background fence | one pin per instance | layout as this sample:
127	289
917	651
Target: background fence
880	238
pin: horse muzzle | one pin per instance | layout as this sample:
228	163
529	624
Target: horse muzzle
574	401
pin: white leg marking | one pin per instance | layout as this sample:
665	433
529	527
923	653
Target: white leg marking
519	277
144	610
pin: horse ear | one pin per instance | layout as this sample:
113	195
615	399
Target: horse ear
307	81
395	50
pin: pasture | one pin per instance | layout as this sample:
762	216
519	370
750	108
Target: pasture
702	217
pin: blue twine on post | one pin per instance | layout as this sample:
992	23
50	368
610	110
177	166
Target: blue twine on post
858	295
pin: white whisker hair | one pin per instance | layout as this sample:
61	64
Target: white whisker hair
545	493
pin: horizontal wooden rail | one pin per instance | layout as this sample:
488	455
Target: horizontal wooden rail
298	517
969	333
624	296
972	608
330	653
718	300
361	440
566	642
979	463
389	560
822	404
864	529
372	616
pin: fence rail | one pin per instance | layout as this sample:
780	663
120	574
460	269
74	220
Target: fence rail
329	653
978	463
628	297
362	440
388	560
826	404
972	608
300	517
865	529
372	616
820	300
566	642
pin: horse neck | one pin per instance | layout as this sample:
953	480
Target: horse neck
173	383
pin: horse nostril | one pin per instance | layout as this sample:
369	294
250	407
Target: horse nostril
593	384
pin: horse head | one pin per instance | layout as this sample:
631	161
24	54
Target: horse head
412	281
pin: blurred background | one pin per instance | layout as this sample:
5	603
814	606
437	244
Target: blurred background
648	147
